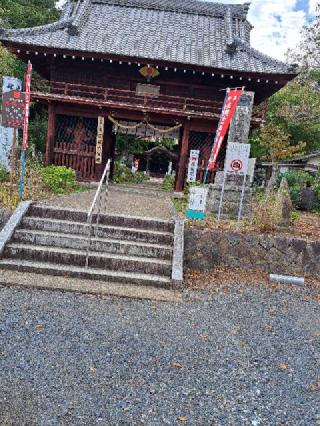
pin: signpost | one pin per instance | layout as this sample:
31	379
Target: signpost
6	140
12	119
13	109
193	165
236	163
99	144
197	203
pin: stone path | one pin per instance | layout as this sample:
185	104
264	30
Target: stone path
130	201
248	357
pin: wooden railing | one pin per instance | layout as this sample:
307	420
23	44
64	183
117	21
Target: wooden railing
117	97
79	158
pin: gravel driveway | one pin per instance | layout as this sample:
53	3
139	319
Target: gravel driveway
248	357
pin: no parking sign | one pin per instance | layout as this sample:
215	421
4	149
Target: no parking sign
237	158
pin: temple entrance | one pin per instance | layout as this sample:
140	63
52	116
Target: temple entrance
145	150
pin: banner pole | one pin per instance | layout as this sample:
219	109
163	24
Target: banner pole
215	140
25	125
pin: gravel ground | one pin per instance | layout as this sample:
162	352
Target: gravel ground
246	356
126	203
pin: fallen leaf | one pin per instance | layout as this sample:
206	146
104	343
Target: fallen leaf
182	418
176	365
204	336
93	370
317	296
282	366
315	386
39	328
271	311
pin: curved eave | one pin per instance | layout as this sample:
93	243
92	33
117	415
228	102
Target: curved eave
20	50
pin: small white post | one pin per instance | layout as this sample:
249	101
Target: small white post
222	194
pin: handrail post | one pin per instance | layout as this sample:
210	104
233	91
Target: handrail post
98	196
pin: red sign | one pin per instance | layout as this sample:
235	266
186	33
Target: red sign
13	109
236	165
27	107
229	108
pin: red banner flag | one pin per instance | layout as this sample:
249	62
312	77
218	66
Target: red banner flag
27	107
229	108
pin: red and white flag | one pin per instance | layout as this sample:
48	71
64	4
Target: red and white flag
229	108
27	106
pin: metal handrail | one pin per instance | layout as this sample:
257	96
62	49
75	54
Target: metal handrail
99	199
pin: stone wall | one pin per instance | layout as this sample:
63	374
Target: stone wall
208	249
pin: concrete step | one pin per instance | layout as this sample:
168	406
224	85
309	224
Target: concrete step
106	219
79	242
113	232
106	261
80	272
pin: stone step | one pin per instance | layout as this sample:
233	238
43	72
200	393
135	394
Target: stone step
79	242
152	190
113	232
80	272
106	219
106	261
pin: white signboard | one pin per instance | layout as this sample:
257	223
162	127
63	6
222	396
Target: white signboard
237	158
100	136
198	198
6	134
193	165
6	139
11	83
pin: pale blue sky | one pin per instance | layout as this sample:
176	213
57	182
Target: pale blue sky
277	23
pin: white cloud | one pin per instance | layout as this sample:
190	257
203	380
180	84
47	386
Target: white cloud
277	25
313	6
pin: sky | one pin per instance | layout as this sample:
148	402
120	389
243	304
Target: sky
277	23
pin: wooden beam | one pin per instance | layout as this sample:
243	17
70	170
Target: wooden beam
183	157
50	133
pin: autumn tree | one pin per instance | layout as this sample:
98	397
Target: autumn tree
277	145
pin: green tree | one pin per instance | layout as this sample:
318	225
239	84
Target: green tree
27	13
22	14
295	109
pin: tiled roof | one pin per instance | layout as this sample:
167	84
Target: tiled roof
191	32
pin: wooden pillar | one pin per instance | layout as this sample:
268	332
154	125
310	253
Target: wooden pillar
51	133
183	157
111	153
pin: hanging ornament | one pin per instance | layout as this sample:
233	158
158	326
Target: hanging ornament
149	72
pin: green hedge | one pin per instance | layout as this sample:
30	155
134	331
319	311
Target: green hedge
59	179
298	179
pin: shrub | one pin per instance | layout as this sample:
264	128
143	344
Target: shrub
122	174
59	179
4	175
168	183
296	181
267	213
